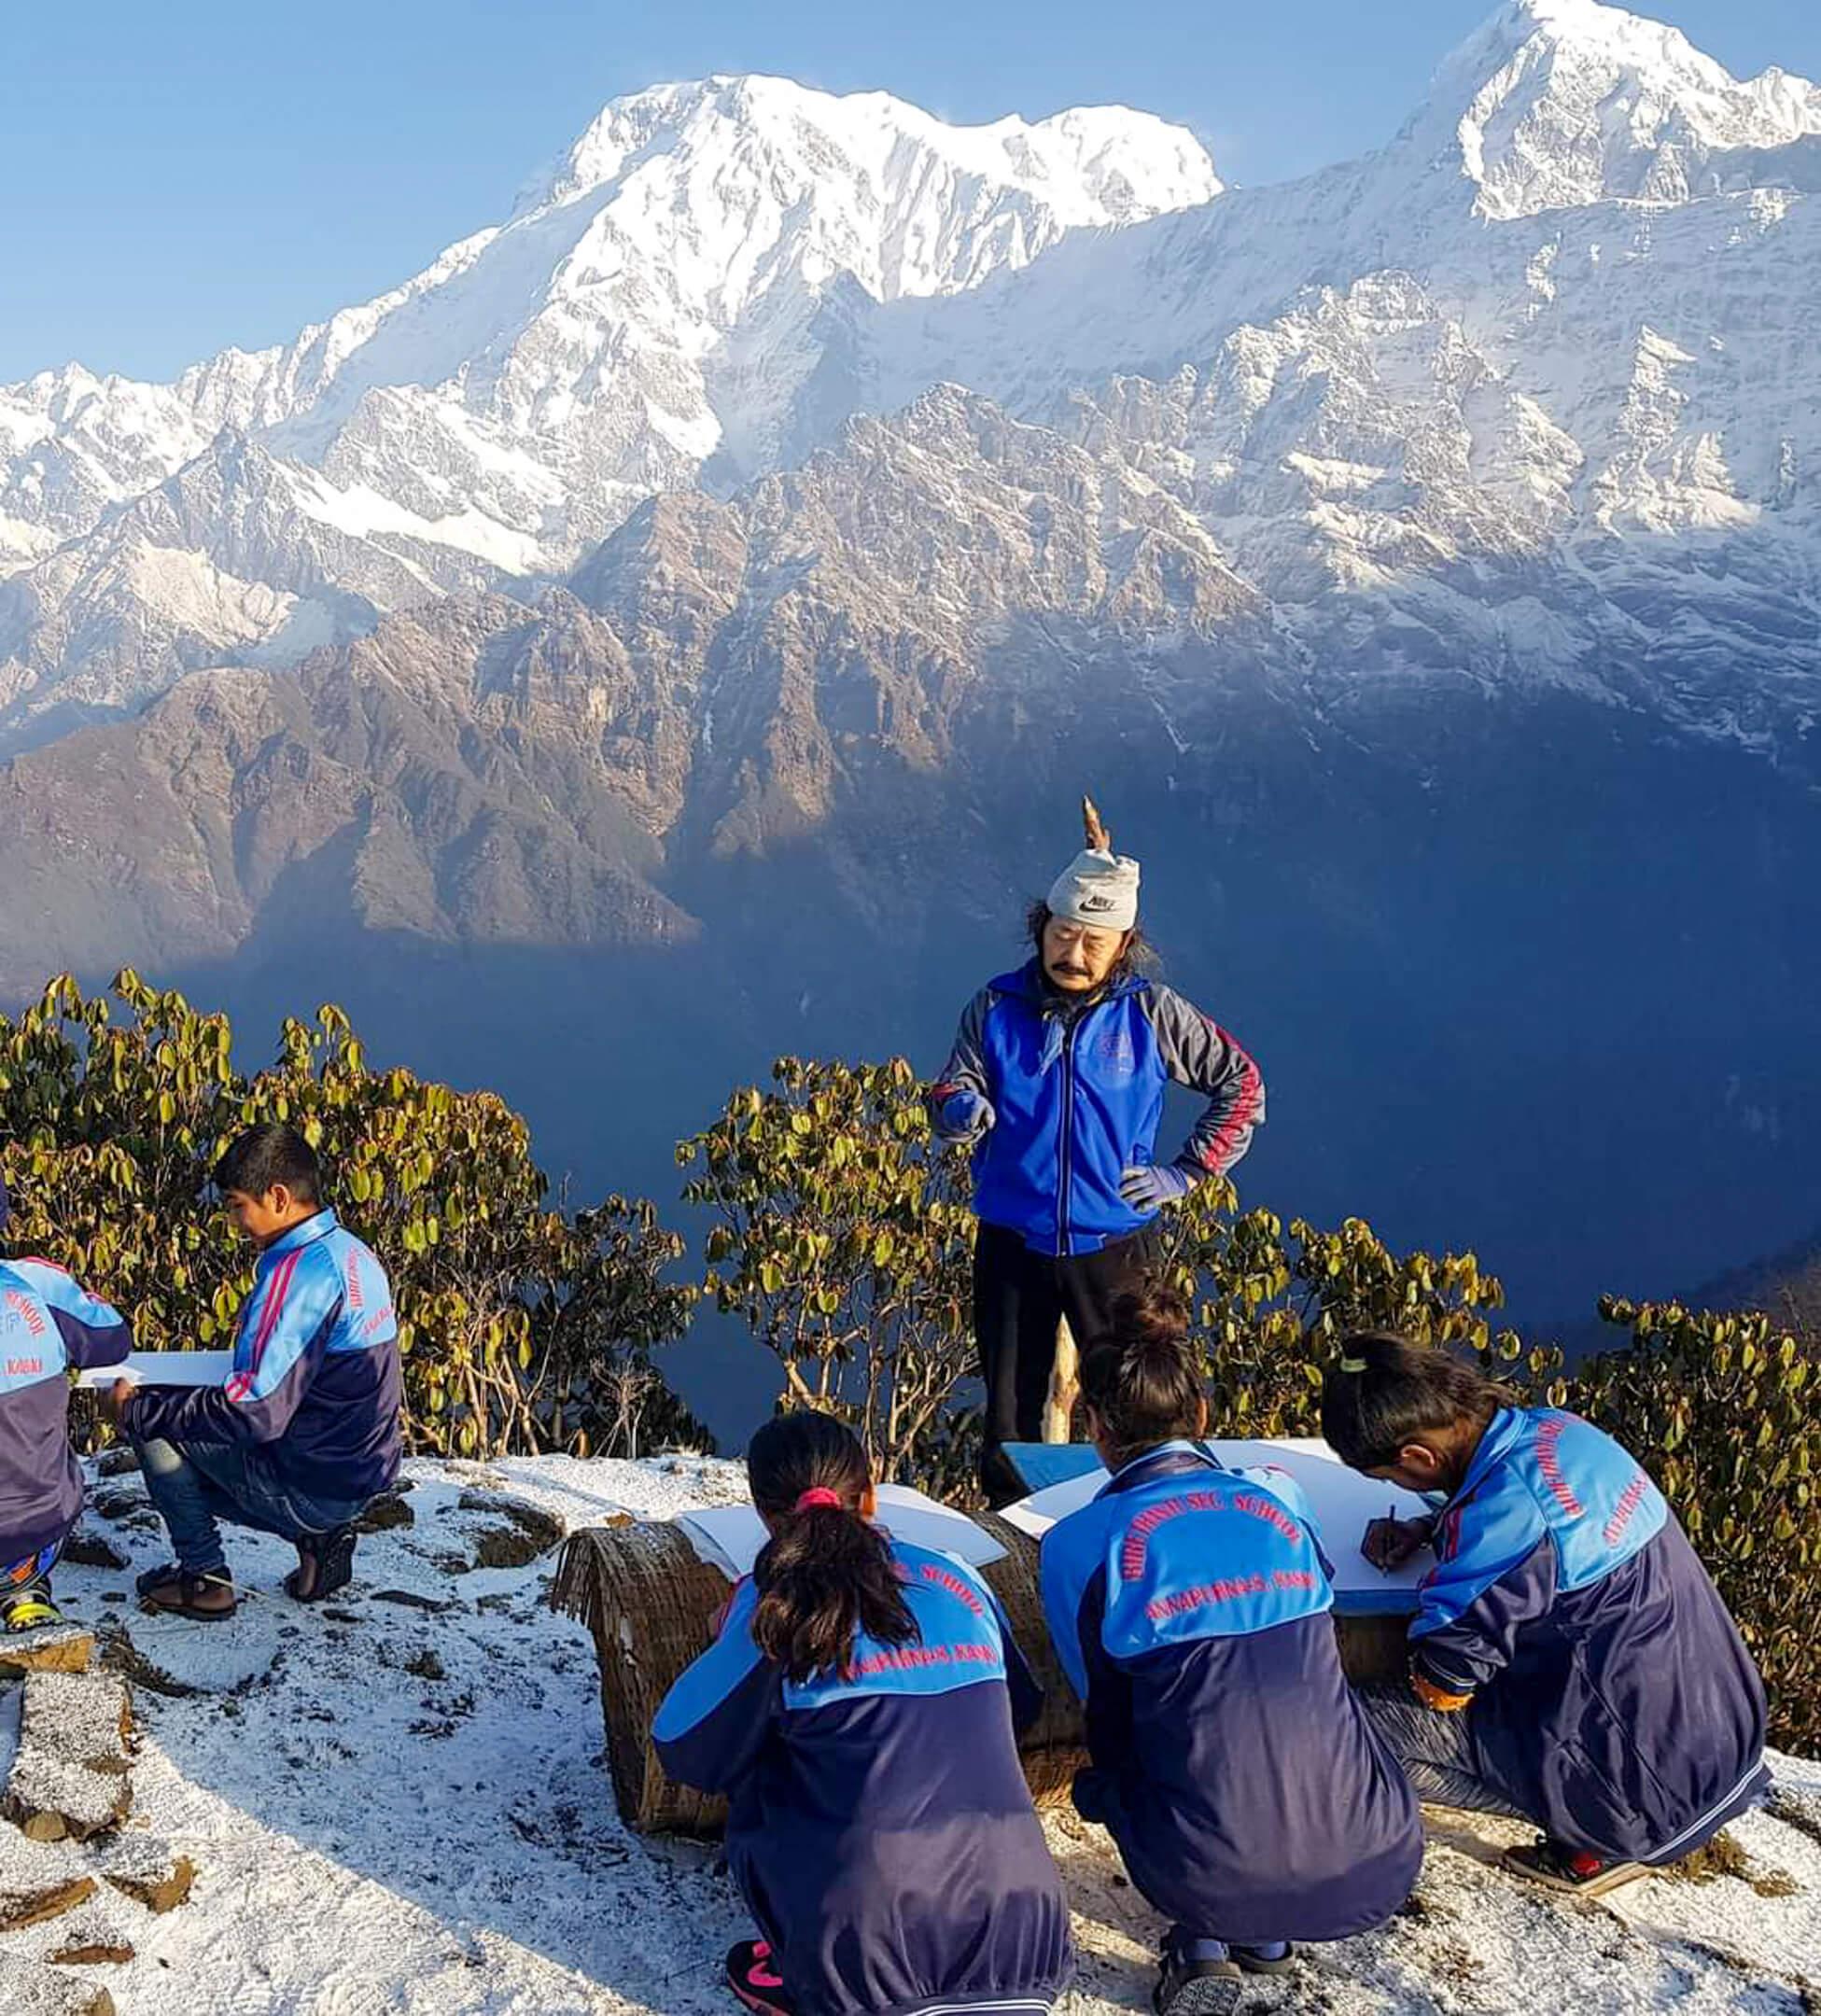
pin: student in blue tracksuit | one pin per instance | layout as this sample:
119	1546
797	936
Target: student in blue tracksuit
1190	1603
857	1708
47	1323
305	1431
1571	1662
1058	1078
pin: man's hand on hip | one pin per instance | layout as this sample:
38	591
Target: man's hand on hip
963	1115
1153	1185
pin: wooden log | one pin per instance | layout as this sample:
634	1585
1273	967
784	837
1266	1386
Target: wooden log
651	1605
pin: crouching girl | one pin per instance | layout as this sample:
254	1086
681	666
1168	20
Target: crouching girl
1249	1796
857	1710
1571	1661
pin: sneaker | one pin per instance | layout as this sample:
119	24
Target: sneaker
1195	1987
1278	1957
28	1609
753	1977
1557	1867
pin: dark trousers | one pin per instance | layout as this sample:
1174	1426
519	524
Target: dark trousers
1018	1296
1437	1751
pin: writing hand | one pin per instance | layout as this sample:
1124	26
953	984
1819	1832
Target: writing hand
1389	1542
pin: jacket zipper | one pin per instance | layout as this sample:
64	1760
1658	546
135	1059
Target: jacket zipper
1064	1236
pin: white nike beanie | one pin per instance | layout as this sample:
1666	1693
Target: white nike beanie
1097	887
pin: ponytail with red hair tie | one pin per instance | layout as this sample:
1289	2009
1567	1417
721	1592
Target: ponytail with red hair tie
817	1494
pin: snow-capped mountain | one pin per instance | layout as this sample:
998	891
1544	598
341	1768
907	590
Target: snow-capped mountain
648	312
1423	556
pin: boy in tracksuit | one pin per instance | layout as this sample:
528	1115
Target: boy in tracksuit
1571	1661
858	1709
1248	1794
47	1323
1058	1077
306	1431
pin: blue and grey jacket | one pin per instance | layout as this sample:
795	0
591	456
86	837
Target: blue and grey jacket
316	1375
1251	1798
1610	1694
47	1323
1077	1093
880	1829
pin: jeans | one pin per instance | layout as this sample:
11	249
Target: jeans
193	1487
1437	1751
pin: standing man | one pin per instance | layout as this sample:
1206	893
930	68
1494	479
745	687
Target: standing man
305	1431
1058	1078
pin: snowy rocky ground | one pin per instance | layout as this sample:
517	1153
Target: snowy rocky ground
398	1803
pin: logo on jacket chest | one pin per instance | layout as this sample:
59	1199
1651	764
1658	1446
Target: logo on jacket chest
24	1310
1115	1052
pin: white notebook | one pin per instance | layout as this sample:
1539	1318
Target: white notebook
729	1537
164	1368
1343	1502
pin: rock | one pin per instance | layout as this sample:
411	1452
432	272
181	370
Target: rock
69	1778
37	1883
121	1460
119	1504
539	1529
410	1600
27	1989
84	1550
84	1719
386	1512
425	1665
150	1872
54	1648
93	1937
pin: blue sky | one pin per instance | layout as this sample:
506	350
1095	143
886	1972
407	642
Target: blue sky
176	177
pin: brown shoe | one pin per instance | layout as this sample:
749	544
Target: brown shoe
207	1598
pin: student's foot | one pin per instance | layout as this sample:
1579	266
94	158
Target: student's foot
207	1598
1557	1867
1278	1957
325	1564
29	1609
752	1975
1195	1987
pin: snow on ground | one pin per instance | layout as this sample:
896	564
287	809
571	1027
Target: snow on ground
398	1803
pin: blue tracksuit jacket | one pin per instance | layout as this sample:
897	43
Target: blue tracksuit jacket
1249	1796
47	1323
315	1380
880	1829
1077	1094
1611	1696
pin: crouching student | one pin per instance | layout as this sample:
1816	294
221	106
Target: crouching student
1571	1662
1251	1798
857	1710
305	1431
47	1324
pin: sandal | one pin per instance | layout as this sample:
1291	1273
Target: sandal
325	1560
175	1592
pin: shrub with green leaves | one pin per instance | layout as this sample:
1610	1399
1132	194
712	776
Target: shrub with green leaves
843	1237
519	1328
1724	1411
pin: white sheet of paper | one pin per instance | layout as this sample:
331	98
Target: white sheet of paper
164	1368
729	1537
1343	1502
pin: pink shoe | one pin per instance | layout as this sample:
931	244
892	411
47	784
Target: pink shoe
752	1977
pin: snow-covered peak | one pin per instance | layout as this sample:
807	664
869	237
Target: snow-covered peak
1558	103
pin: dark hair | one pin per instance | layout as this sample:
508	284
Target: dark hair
265	1156
1140	956
1384	1391
1143	1378
826	1575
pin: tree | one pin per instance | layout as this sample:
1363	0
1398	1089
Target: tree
845	1242
509	1312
